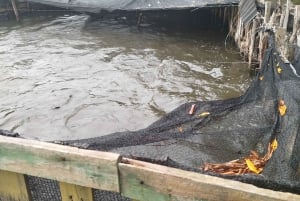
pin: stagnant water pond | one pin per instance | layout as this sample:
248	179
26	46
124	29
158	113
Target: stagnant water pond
70	77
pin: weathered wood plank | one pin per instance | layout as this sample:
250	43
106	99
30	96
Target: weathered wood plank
88	168
149	182
70	192
13	187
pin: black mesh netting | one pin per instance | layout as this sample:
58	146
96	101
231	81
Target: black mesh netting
224	130
48	190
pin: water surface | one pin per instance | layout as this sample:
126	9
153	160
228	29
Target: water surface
68	77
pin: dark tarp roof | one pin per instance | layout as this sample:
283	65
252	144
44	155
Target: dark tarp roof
95	6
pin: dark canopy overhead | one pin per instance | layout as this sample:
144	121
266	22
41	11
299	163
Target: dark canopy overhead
95	6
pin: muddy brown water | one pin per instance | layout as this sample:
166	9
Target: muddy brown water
69	77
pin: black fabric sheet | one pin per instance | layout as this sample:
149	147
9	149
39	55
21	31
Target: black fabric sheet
233	128
96	6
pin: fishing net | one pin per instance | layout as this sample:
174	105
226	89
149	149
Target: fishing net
253	138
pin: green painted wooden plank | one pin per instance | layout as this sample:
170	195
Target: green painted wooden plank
150	182
62	163
70	192
13	187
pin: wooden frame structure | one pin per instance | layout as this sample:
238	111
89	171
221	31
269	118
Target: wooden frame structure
78	171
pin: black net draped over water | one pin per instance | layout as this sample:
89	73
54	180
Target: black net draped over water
224	130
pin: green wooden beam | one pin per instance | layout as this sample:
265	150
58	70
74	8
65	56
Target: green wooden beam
88	168
80	170
150	182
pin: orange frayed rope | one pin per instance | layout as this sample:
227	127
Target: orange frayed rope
250	164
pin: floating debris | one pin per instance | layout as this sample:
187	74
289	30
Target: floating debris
192	110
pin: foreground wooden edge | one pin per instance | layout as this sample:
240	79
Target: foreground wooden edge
134	179
145	181
87	168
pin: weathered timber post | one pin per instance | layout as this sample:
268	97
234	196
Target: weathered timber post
253	33
268	5
286	15
14	5
296	24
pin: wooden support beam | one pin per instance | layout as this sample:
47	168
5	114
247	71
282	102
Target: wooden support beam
252	39
150	182
296	24
286	15
13	187
238	34
88	168
14	5
70	192
268	5
80	170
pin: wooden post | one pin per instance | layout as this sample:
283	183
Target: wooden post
13	187
238	32
251	47
263	45
296	23
70	192
268	5
286	15
274	20
14	5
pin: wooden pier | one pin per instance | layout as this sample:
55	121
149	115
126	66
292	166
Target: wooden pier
79	171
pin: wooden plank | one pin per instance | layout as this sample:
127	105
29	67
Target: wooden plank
88	168
13	187
70	192
149	182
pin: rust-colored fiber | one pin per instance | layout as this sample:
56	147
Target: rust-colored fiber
250	164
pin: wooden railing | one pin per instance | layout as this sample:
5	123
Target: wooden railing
78	171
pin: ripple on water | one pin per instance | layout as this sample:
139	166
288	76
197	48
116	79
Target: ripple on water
68	77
